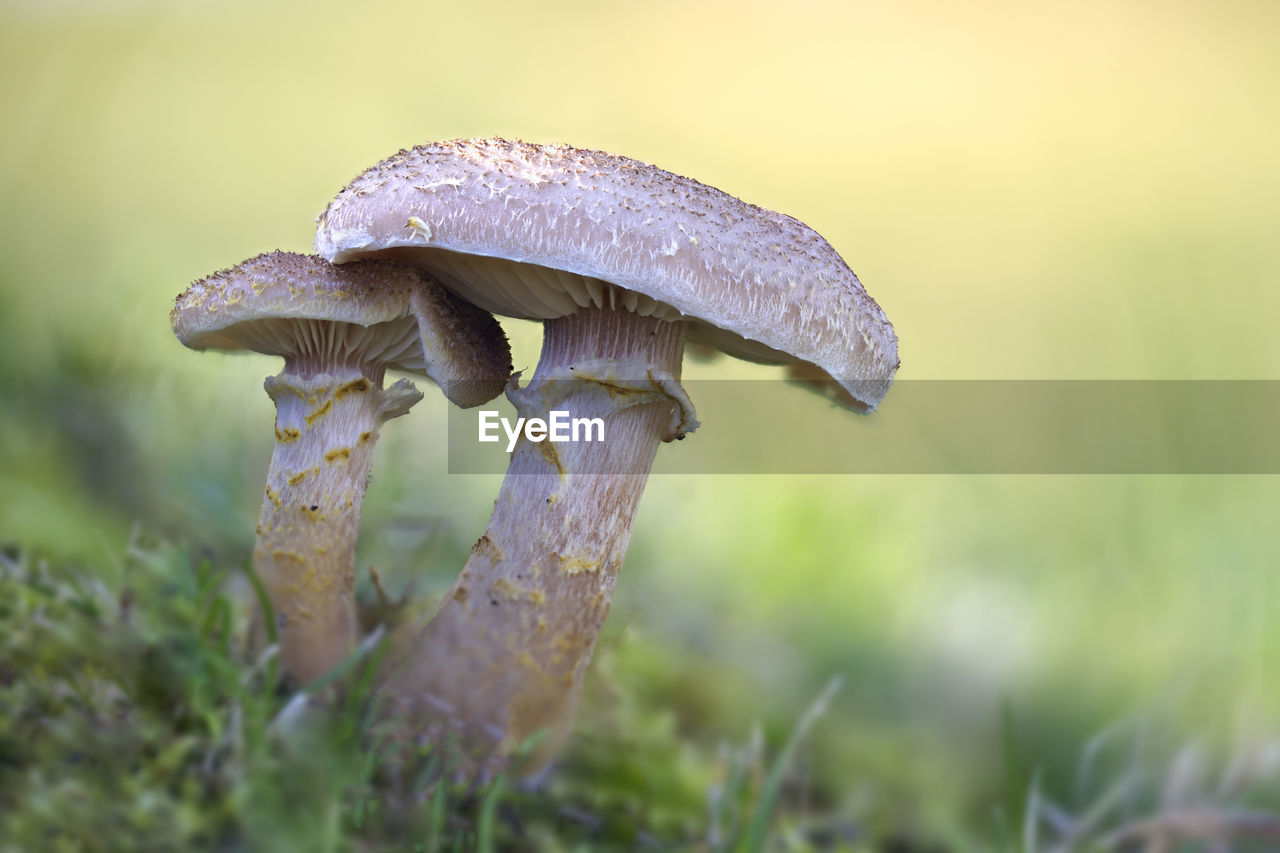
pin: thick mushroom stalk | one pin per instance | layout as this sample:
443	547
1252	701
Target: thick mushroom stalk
504	656
326	429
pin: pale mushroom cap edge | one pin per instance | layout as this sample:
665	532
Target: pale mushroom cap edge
429	331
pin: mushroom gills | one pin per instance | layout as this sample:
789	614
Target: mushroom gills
542	293
395	343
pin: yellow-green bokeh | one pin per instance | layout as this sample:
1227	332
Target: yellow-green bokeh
1036	190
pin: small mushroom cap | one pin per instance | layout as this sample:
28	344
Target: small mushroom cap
305	309
538	231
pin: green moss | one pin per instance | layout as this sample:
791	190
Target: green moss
139	718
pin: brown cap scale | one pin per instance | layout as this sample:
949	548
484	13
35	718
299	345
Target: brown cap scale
338	330
624	262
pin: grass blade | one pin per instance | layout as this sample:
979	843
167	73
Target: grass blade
762	815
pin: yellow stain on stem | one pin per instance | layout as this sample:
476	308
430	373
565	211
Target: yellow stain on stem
320	412
287	435
355	386
552	456
572	565
507	589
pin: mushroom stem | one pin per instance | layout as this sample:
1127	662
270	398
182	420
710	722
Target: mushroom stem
326	428
505	653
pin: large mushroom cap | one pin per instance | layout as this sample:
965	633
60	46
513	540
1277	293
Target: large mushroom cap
301	307
538	231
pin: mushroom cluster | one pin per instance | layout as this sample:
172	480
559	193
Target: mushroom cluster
338	330
623	263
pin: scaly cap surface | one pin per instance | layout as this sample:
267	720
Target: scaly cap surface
288	304
537	231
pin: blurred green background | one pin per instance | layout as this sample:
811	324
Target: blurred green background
1030	190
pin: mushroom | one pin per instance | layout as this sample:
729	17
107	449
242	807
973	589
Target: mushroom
338	329
623	262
